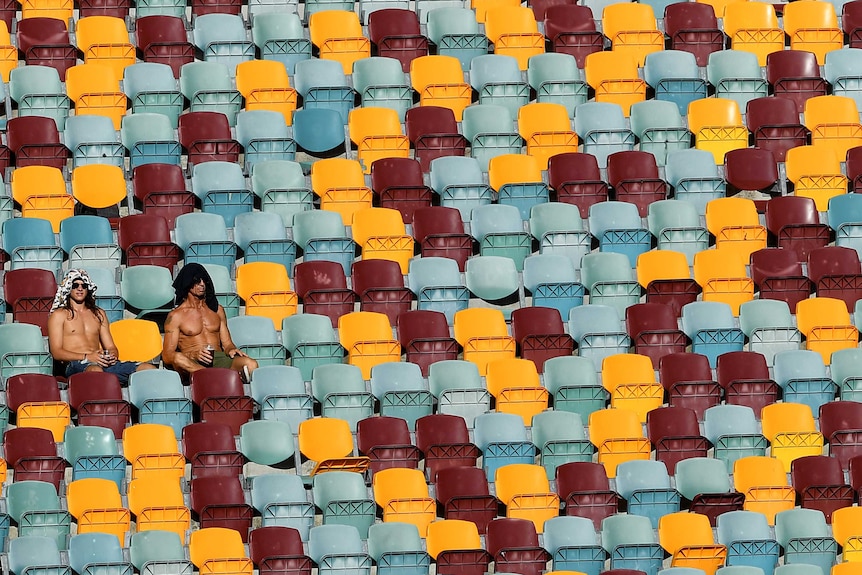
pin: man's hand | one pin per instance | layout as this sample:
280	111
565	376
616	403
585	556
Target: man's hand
236	352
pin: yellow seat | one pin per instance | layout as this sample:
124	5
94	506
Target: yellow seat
614	77
661	265
791	431
514	32
847	568
381	234
688	538
763	482
55	416
59	9
147	494
137	339
826	325
265	288
340	185
328	442
847	531
834	123
513	169
734	223
403	496
98	185
144	439
377	134
52	207
98	507
215	543
722	276
338	36
94	88
41	193
481	7
451	535
483	334
439	81
753	27
631	381
265	86
813	27
547	130
618	435
525	491
367	337
632	28
159	464
717	125
105	40
515	384
8	52
815	172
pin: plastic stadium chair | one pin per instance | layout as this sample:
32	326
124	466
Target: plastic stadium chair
439	81
774	123
631	543
163	40
717	126
45	42
705	482
837	111
613	75
602	128
795	75
35	141
800	23
805	535
557	79
459	390
645	485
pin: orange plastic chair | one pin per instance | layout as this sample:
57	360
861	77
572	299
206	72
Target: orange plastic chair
377	134
688	538
265	86
381	234
340	185
632	29
367	337
338	36
514	32
825	323
614	77
735	224
717	125
515	384
791	432
483	334
547	130
753	27
105	40
631	381
834	122
813	27
95	89
722	276
763	482
439	81
815	172
618	435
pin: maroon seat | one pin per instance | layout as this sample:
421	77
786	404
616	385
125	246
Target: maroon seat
675	434
399	185
653	329
774	122
576	179
795	74
276	549
396	33
206	137
433	132
634	177
795	224
854	168
692	27
751	169
514	545
424	335
851	23
115	8
211	449
201	7
687	377
30	293
386	441
571	28
380	287
45	42
585	489
163	39
540	7
540	335
777	273
819	481
161	189
35	141
836	272
445	442
744	377
31	454
219	501
463	492
322	287
841	426
439	231
146	240
218	393
97	398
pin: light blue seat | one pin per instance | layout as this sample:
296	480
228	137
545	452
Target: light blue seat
101	548
677	226
699	477
380	82
497	80
502	438
681	571
34	554
573	545
748	539
397	549
151	87
617	226
256	336
160	7
159	396
282	189
92	139
631	542
560	230
31	244
147	289
843	71
280	36
802	376
35	506
736	75
711	328
222	38
437	283
322	236
646	486
459	389
456	33
598	331
203	239
490	129
694	176
603	130
734	432
38	92
89	241
344	500
798	569
341	391
459	182
320	5
805	538
401	391
282	500
659	126
573	382
280	392
222	189
844	216
92	452
610	280
149	137
208	87
492	278
107	295
159	547
769	327
560	438
322	84
264	136
674	76
552	281
499	230
556	78
224	288
266	442
318	129
263	238
846	371
311	341
338	549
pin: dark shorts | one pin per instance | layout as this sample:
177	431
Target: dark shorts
122	369
221	359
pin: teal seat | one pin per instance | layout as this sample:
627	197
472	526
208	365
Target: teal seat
36	508
556	78
711	327
698	478
674	76
805	538
149	137
492	278
151	87
89	241
320	5
266	441
322	84
734	432
321	235
92	452
208	87
380	82
341	392
490	129
92	139
603	130
263	238
610	280
279	36
282	500
802	376
617	226
646	487
793	569
455	32
502	438
559	438
574	545
224	288
318	130
748	539
222	190
147	289
311	341
694	176
659	126
34	554
203	239
23	350
100	548
552	281
459	389
844	216
263	136
401	391
436	281
630	541
30	242
222	38
256	336
156	547
846	372
175	8
598	331
343	498
574	385
677	226
459	182
560	230
497	80
280	392
736	75
282	189
158	394
499	231
335	548
38	92
396	547
842	70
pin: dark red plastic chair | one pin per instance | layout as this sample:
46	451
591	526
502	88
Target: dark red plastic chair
380	287
439	231
219	501
161	189
463	492
571	28
853	163
163	39
774	122
35	141
540	335
201	7
206	137
634	177
218	392
386	441
836	272
396	33
514	545
576	179
322	287
654	331
30	293
795	223
692	27
687	377
399	185
278	549
424	335
841	426
45	42
851	23
146	240
675	434
795	74
751	169
585	489
744	377
211	449
115	8
819	481
31	454
97	398
433	132
445	442
778	275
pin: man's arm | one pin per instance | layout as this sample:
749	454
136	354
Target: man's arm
227	345
170	345
56	339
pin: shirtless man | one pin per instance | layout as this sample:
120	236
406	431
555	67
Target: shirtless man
197	322
78	331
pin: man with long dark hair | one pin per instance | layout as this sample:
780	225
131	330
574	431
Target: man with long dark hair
196	333
79	333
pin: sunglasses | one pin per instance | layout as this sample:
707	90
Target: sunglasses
77	285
